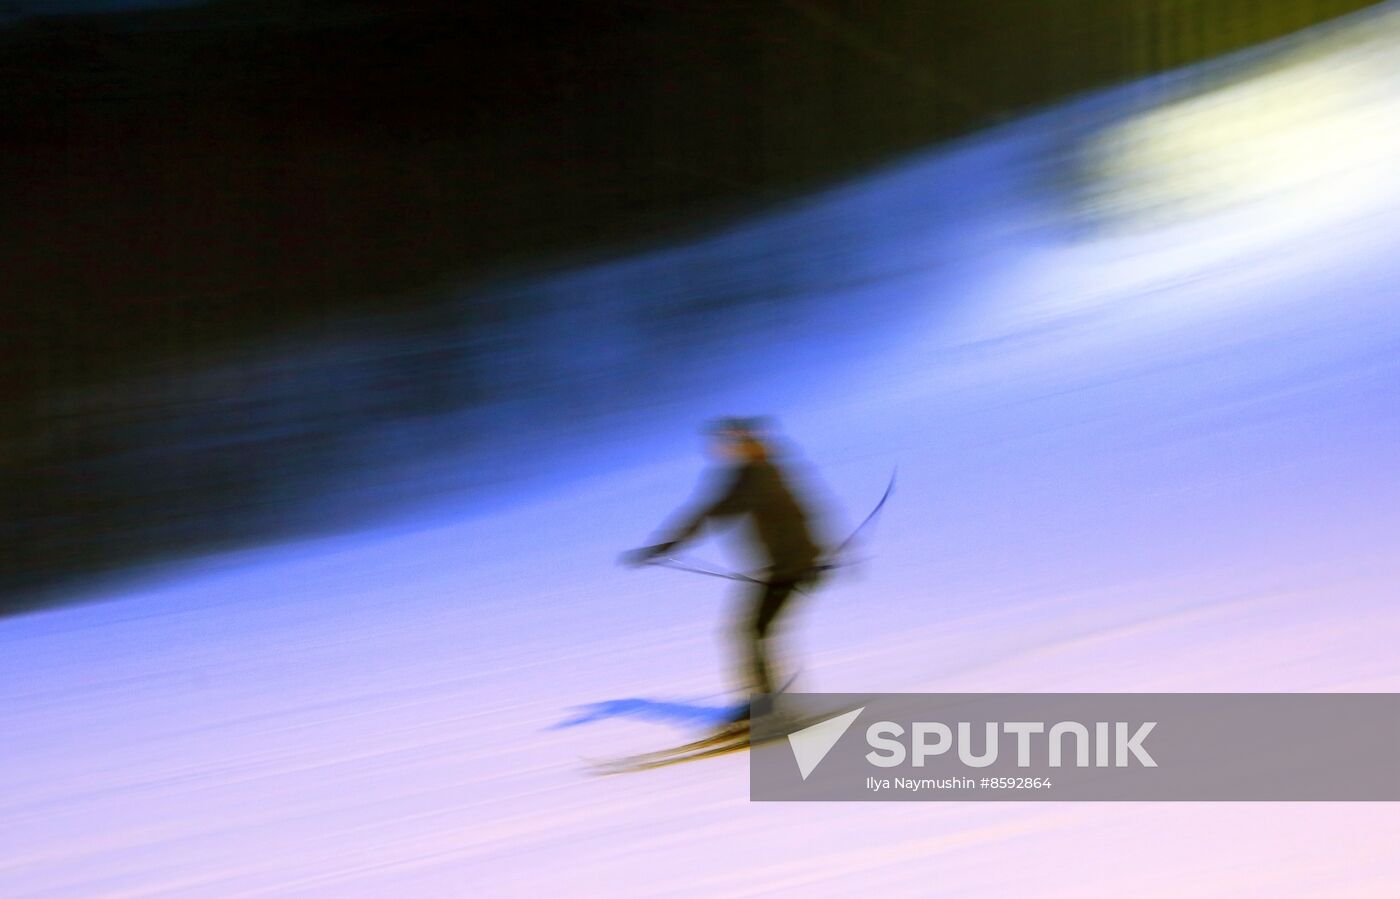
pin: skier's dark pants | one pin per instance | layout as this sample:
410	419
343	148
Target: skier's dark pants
769	601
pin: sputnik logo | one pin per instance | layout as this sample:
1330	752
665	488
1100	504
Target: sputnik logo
811	744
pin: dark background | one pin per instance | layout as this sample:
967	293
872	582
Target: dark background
180	185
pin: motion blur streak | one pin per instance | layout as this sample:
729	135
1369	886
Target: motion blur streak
1136	359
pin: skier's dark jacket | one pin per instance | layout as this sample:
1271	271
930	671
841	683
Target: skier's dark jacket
758	490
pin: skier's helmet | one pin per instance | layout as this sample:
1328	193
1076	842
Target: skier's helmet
741	437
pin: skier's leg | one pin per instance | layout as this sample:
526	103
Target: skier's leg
752	638
775	597
742	640
746	640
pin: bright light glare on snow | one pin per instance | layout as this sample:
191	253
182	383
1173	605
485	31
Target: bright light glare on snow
1305	140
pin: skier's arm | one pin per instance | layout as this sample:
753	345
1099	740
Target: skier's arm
732	499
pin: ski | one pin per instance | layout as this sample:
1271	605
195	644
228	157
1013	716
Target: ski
717	744
709	741
664	758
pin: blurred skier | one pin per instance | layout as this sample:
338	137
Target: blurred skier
752	486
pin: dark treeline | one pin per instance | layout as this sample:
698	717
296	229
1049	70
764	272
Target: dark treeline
178	183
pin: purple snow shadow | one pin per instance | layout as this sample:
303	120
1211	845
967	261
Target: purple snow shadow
679	713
